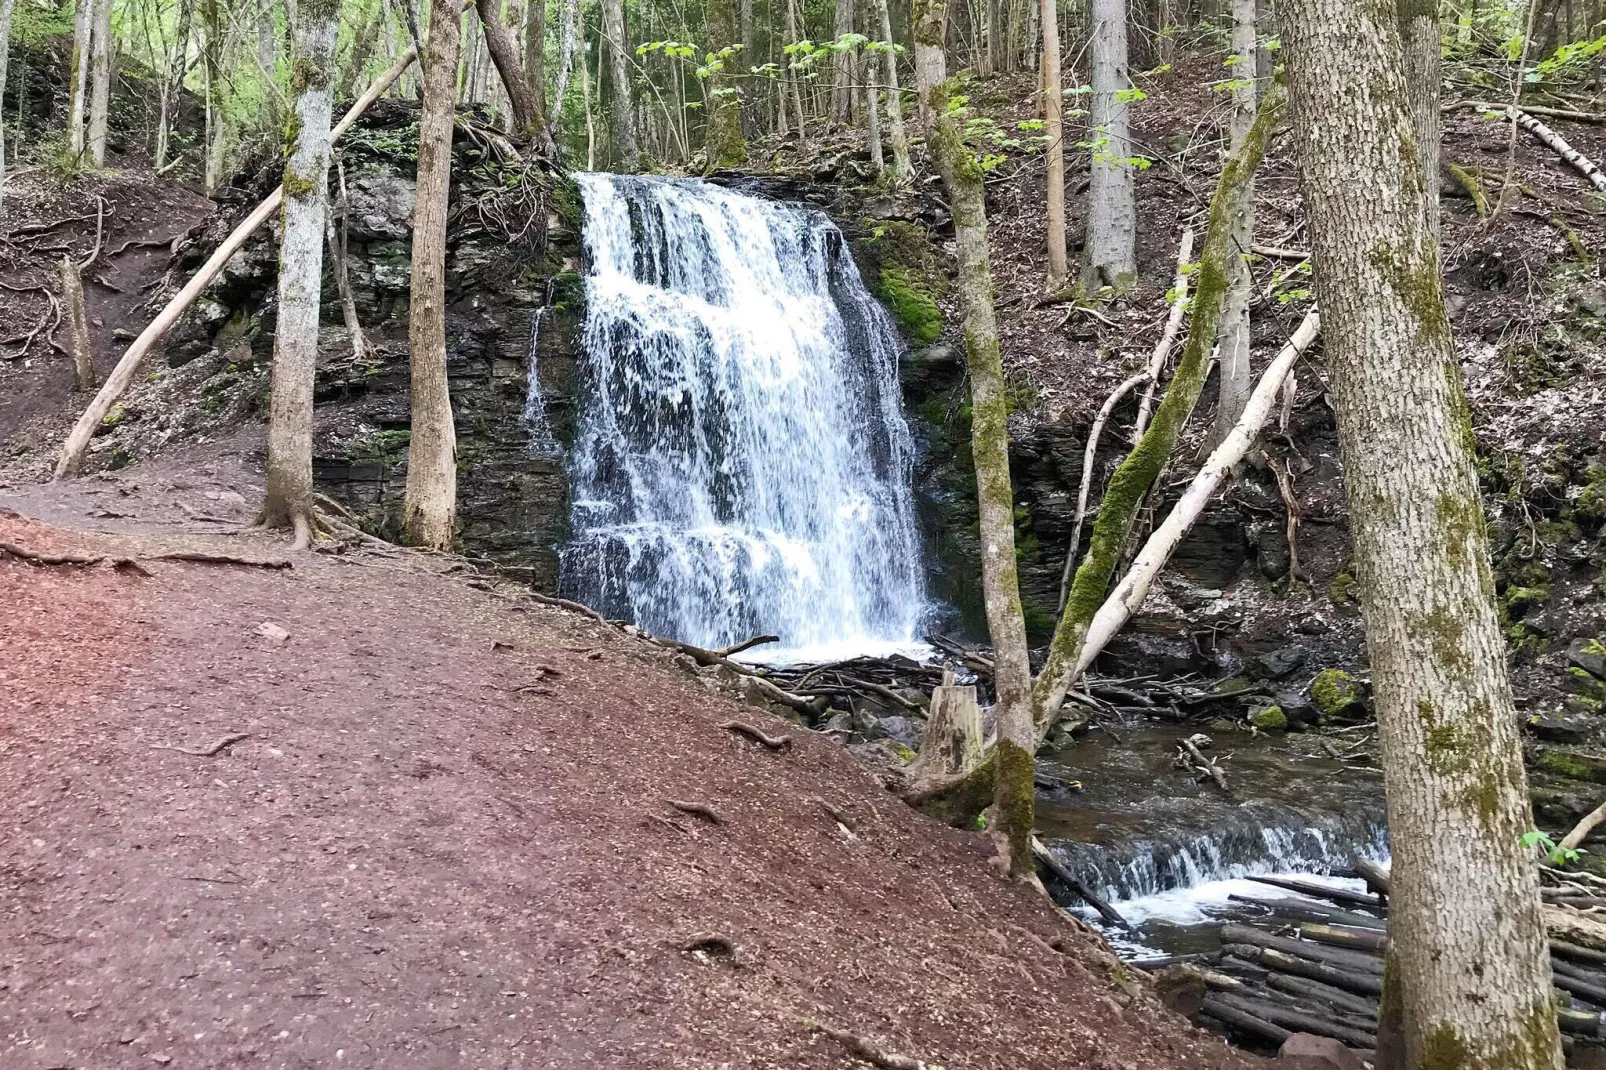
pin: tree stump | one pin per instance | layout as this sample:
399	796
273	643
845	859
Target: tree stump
952	742
72	298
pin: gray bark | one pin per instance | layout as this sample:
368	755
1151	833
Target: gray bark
100	78
295	344
1235	378
1111	194
626	157
430	507
1054	131
902	170
78	79
6	9
565	59
1465	923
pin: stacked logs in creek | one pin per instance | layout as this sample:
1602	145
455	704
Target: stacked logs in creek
1314	964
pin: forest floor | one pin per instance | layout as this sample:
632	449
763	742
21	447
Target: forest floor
447	833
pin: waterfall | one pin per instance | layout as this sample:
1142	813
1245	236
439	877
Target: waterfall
741	464
542	443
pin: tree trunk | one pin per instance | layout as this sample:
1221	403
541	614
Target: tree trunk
1014	754
842	74
173	82
78	79
796	80
902	170
565	59
216	121
1235	379
338	260
504	50
1464	917
100	79
625	155
535	52
430	507
585	103
1111	193
72	300
1419	36
6	9
295	343
878	161
1054	130
723	134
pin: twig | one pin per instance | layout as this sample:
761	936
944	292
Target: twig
1173	326
1089	454
868	1050
697	809
100	234
205	752
758	735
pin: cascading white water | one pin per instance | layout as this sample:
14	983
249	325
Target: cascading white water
741	464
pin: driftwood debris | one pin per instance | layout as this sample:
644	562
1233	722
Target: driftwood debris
1075	884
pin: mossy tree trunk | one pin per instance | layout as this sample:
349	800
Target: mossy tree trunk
295	340
78	79
1419	37
1015	750
7	8
1141	467
1469	952
430	508
723	138
1111	259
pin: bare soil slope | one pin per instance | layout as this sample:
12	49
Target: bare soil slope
449	836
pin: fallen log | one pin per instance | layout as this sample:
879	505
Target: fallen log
1307	910
1320	891
1243	1021
1364	983
1376	876
757	640
1337	997
1580	163
72	452
1338	936
1579	1023
1332	956
1298	1021
1584	990
1074	883
1583	828
1576	953
1582	930
1206	766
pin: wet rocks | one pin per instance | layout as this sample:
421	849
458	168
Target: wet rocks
901	730
1561	727
1588	655
1269	719
1306	1051
1337	694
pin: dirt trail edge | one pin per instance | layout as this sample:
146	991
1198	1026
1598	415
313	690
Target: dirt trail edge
360	813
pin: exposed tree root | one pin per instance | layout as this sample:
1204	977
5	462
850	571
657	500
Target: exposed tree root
564	603
713	945
868	1050
205	752
757	640
697	809
34	557
758	735
202	557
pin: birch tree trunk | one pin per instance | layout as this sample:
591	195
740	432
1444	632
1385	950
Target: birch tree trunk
78	79
295	345
842	73
1111	193
100	80
626	157
723	136
1468	940
7	7
1014	753
1235	380
173	81
565	59
1054	131
430	507
902	170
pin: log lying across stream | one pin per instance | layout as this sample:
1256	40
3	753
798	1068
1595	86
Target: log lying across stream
1314	964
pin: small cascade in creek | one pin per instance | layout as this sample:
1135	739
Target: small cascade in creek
741	464
541	443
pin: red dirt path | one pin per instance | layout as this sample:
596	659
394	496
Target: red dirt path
412	863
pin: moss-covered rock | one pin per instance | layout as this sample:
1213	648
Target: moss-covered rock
1336	692
1575	765
911	303
904	272
1342	589
1269	719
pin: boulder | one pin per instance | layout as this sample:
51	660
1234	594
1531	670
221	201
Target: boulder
1269	719
1299	709
1561	727
897	728
381	206
1274	664
1589	655
1307	1051
1336	693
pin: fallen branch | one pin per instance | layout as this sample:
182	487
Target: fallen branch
201	557
697	809
564	603
1075	884
1277	253
879	689
1206	766
1581	163
72	452
757	640
758	735
205	752
1535	109
868	1050
1583	828
34	557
